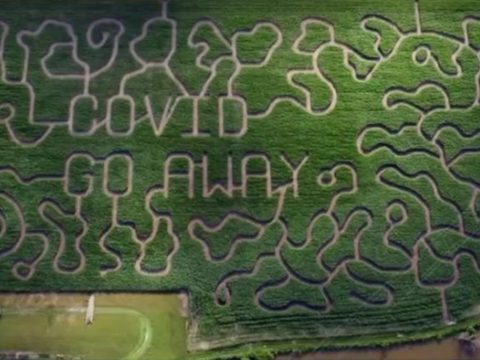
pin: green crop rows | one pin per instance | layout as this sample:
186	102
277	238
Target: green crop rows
302	169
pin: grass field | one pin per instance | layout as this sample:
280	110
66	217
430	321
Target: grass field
303	170
126	326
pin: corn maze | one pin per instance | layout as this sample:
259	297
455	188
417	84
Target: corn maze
302	170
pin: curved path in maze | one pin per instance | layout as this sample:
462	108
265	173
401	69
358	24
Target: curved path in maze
418	159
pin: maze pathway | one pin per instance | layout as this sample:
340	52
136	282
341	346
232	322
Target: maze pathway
298	172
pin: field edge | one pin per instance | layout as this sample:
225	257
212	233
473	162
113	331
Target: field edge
269	349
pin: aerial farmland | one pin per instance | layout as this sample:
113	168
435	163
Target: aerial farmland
206	179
